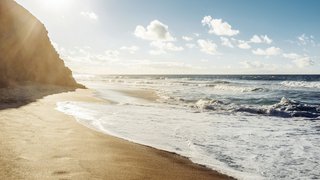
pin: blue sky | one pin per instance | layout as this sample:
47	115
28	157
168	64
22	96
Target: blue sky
179	36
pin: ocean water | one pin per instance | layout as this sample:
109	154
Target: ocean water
249	127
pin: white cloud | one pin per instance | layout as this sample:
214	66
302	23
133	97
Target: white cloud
260	39
166	46
155	31
226	42
303	39
243	45
271	51
164	67
85	56
90	15
306	40
255	39
253	64
258	67
159	34
298	60
196	34
163	47
157	52
291	56
186	38
207	46
190	45
218	27
303	62
112	54
266	39
130	49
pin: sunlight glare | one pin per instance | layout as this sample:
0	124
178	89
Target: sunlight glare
57	4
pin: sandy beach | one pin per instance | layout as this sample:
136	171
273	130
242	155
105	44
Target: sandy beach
39	142
167	90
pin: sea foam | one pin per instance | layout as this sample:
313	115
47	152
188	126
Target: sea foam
302	84
269	131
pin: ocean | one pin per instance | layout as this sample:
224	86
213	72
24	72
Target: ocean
246	126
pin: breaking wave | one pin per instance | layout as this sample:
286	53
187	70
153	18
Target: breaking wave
286	108
301	84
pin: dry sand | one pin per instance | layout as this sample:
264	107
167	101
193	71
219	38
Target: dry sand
39	142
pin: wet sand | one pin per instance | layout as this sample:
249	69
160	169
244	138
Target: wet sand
39	142
146	94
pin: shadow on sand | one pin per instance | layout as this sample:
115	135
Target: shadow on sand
15	97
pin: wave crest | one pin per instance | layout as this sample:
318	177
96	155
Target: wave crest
301	84
286	108
208	104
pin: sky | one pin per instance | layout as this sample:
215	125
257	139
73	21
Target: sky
183	36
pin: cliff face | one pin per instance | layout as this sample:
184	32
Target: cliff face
26	53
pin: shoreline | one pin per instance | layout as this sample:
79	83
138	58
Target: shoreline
39	142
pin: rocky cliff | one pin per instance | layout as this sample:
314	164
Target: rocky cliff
26	53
